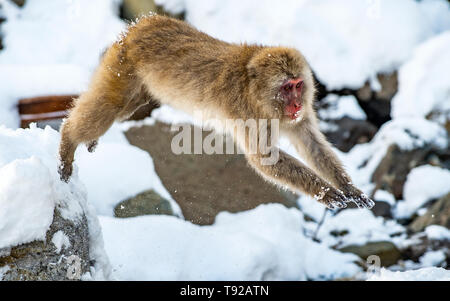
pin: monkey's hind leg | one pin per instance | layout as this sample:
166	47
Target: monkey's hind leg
91	117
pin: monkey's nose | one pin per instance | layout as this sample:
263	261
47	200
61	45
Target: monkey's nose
296	83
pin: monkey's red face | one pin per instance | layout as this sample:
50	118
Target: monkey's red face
291	93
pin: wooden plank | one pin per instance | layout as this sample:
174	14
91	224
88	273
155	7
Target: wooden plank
45	104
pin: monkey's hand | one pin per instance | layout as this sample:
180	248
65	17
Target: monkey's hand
332	198
65	171
358	197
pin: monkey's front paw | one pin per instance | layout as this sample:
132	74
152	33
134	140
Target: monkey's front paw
358	197
332	198
65	171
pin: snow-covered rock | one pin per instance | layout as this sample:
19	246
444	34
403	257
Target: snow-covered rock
43	221
423	184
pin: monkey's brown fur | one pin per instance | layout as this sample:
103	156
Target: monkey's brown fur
168	61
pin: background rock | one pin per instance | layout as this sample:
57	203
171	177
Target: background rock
40	260
387	251
393	170
205	185
437	214
377	104
350	132
145	203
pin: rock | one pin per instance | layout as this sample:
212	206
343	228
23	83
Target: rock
437	214
205	185
387	251
393	170
350	132
132	9
145	203
423	245
377	104
382	209
41	260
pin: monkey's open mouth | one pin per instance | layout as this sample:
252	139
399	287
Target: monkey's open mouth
293	110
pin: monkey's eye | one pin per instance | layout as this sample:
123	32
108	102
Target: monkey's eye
288	87
299	85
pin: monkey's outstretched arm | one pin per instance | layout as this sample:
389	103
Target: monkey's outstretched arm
284	170
315	149
288	171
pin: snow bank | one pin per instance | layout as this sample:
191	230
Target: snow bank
423	184
425	274
51	47
30	189
361	37
424	81
262	244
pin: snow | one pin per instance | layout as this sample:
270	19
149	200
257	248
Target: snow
261	244
61	241
340	107
26	202
419	93
360	226
425	274
49	53
437	232
433	258
346	42
423	184
3	271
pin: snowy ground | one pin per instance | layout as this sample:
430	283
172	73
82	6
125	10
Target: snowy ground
269	242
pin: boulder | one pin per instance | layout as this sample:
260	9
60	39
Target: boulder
389	254
145	203
350	132
394	168
383	209
205	185
64	255
377	104
437	214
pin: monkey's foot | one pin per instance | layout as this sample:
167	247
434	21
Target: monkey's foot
359	198
333	198
65	171
91	146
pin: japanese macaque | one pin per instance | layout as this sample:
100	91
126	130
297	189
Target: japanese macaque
167	61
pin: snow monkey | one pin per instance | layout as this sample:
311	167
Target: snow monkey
167	61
